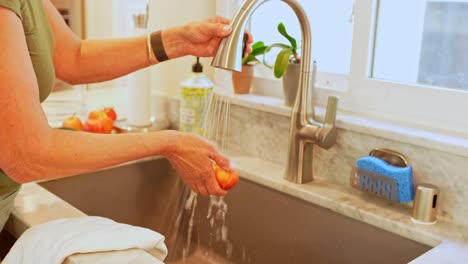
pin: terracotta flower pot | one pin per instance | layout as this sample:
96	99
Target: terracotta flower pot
242	81
291	83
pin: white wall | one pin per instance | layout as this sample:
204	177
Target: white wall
99	18
165	78
104	19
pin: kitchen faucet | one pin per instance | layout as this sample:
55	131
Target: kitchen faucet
305	131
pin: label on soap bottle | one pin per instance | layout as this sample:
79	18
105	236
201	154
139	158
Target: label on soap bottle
192	108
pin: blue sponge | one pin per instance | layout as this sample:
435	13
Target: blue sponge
403	176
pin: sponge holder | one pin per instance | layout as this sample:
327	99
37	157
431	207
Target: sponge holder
377	184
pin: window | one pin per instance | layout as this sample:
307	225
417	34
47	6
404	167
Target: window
331	44
389	38
430	37
404	62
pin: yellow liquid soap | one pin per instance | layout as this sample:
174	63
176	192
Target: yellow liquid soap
196	94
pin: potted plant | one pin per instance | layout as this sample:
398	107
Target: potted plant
242	81
287	65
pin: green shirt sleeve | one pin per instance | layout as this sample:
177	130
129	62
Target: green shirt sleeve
13	5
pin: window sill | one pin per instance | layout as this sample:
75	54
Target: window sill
348	121
262	103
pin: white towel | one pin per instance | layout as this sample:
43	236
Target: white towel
54	241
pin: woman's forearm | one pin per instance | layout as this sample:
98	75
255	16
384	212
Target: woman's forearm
88	61
103	60
66	153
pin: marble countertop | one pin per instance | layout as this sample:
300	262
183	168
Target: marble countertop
35	205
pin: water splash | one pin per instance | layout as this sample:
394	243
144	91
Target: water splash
190	205
217	212
216	129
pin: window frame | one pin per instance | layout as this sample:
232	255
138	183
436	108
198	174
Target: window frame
430	108
423	106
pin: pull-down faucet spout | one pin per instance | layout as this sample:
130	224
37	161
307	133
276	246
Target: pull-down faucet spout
304	130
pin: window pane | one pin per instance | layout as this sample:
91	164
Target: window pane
422	42
332	29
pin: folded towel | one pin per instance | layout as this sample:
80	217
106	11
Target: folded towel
54	241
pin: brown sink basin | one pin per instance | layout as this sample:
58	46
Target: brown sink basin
261	225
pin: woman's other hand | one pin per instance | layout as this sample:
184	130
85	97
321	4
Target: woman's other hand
192	156
198	39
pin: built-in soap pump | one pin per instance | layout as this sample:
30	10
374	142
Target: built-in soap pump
425	204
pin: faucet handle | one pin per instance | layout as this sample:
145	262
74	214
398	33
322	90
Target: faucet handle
330	114
327	133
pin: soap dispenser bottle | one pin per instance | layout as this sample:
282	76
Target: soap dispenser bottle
196	93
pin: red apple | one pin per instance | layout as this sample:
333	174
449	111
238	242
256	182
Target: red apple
72	122
99	122
110	112
226	179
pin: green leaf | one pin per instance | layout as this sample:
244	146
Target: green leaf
259	50
265	62
282	31
282	62
275	45
258	44
248	59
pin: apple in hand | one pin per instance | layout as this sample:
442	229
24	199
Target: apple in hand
226	179
72	122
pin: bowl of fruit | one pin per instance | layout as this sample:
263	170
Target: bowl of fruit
98	121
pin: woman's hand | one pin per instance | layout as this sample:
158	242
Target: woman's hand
191	155
198	39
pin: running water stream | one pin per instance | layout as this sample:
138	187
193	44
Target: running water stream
216	129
